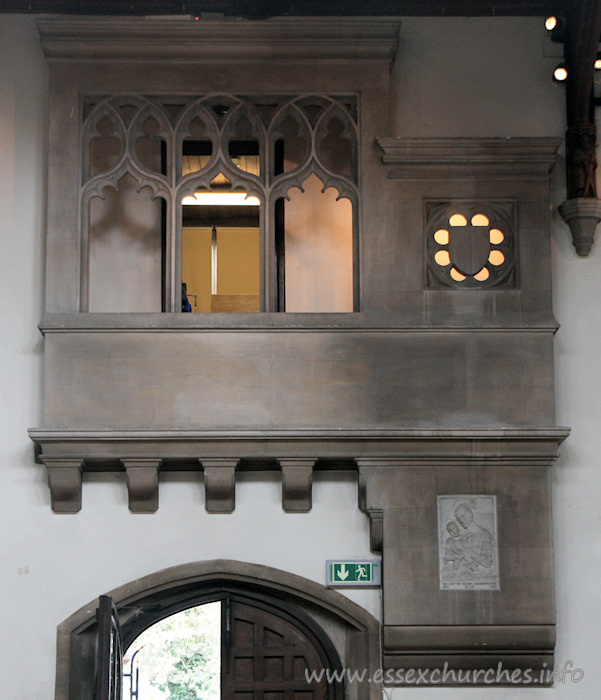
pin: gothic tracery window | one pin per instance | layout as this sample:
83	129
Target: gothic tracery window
245	203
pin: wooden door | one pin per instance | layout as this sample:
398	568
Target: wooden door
266	656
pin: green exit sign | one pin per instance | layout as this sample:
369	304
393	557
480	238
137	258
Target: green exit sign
353	572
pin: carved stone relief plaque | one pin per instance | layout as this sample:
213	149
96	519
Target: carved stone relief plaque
467	543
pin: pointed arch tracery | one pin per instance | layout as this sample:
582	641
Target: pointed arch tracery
148	138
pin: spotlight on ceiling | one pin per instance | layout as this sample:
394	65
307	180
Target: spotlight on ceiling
556	28
560	73
597	63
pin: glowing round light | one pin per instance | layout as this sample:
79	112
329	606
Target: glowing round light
560	73
443	258
480	220
496	257
597	64
456	275
483	275
496	236
441	236
458	220
550	23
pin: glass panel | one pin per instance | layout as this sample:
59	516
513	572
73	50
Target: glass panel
443	258
442	236
496	236
480	220
318	245
125	237
458	220
457	276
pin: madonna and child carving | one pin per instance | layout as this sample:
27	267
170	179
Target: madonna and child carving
467	541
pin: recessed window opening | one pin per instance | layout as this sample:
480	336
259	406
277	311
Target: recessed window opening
221	238
226	204
318	249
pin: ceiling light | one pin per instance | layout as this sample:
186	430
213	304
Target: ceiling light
550	23
226	199
597	63
560	73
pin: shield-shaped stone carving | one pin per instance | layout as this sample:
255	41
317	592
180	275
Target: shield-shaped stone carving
469	247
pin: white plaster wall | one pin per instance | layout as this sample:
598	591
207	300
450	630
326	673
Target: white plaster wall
50	565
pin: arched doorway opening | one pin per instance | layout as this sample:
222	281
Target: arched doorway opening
234	646
294	624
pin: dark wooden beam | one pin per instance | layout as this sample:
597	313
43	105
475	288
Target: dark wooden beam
581	43
269	8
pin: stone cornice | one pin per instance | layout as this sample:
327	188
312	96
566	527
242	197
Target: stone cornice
368	322
142	454
499	158
182	38
378	448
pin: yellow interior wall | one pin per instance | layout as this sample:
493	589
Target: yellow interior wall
238	264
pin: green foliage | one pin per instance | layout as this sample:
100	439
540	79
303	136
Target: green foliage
191	675
180	656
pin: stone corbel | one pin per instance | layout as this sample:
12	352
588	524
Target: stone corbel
582	216
376	529
297	483
142	484
220	484
374	511
64	480
582	210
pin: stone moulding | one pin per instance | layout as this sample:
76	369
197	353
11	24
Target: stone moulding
495	158
183	38
455	650
276	322
142	454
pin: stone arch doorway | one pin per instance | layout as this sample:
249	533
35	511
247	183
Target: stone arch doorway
269	649
333	631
